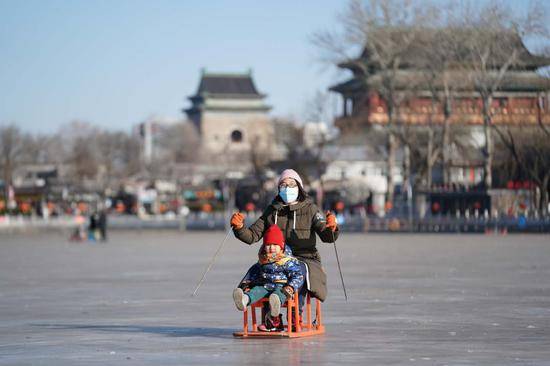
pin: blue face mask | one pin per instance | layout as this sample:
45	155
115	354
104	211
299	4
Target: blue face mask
289	194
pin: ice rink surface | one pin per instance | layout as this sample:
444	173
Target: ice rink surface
413	300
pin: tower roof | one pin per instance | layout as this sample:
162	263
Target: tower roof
226	92
228	84
412	51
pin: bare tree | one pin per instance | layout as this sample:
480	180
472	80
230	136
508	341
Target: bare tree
531	152
96	154
260	155
420	153
92	155
11	149
72	130
83	161
493	44
180	143
318	112
130	156
290	135
51	149
384	31
117	156
439	53
317	107
107	149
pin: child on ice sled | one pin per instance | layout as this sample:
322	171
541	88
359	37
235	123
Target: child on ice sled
276	274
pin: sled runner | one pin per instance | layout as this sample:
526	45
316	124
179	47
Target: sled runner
293	328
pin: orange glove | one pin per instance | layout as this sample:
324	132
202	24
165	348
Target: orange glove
237	221
331	221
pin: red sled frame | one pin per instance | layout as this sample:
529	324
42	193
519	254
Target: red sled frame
293	328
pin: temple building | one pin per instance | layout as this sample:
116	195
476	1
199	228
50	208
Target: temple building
231	115
521	99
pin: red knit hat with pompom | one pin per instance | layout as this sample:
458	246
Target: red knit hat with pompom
274	235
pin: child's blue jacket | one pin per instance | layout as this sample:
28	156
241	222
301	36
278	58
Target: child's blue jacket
285	271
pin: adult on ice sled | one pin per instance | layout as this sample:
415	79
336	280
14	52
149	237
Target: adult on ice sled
300	220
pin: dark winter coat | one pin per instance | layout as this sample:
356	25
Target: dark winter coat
285	271
299	224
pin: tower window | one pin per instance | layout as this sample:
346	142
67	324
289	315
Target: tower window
236	136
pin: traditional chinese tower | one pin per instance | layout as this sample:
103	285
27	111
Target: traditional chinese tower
522	98
230	114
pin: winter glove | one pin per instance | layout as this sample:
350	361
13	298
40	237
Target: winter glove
288	291
237	221
331	221
245	286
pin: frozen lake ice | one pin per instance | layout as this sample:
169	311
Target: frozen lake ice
413	300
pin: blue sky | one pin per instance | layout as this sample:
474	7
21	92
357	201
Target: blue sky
115	63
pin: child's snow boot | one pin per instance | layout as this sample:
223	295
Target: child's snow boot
272	324
240	298
274	305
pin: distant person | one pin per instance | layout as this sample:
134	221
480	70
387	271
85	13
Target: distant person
294	212
102	224
79	233
276	275
93	227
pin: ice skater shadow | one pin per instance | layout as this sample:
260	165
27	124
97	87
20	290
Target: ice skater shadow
162	330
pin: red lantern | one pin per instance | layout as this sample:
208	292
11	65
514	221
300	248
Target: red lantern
119	207
207	207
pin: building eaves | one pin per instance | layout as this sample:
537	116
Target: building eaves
227	84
